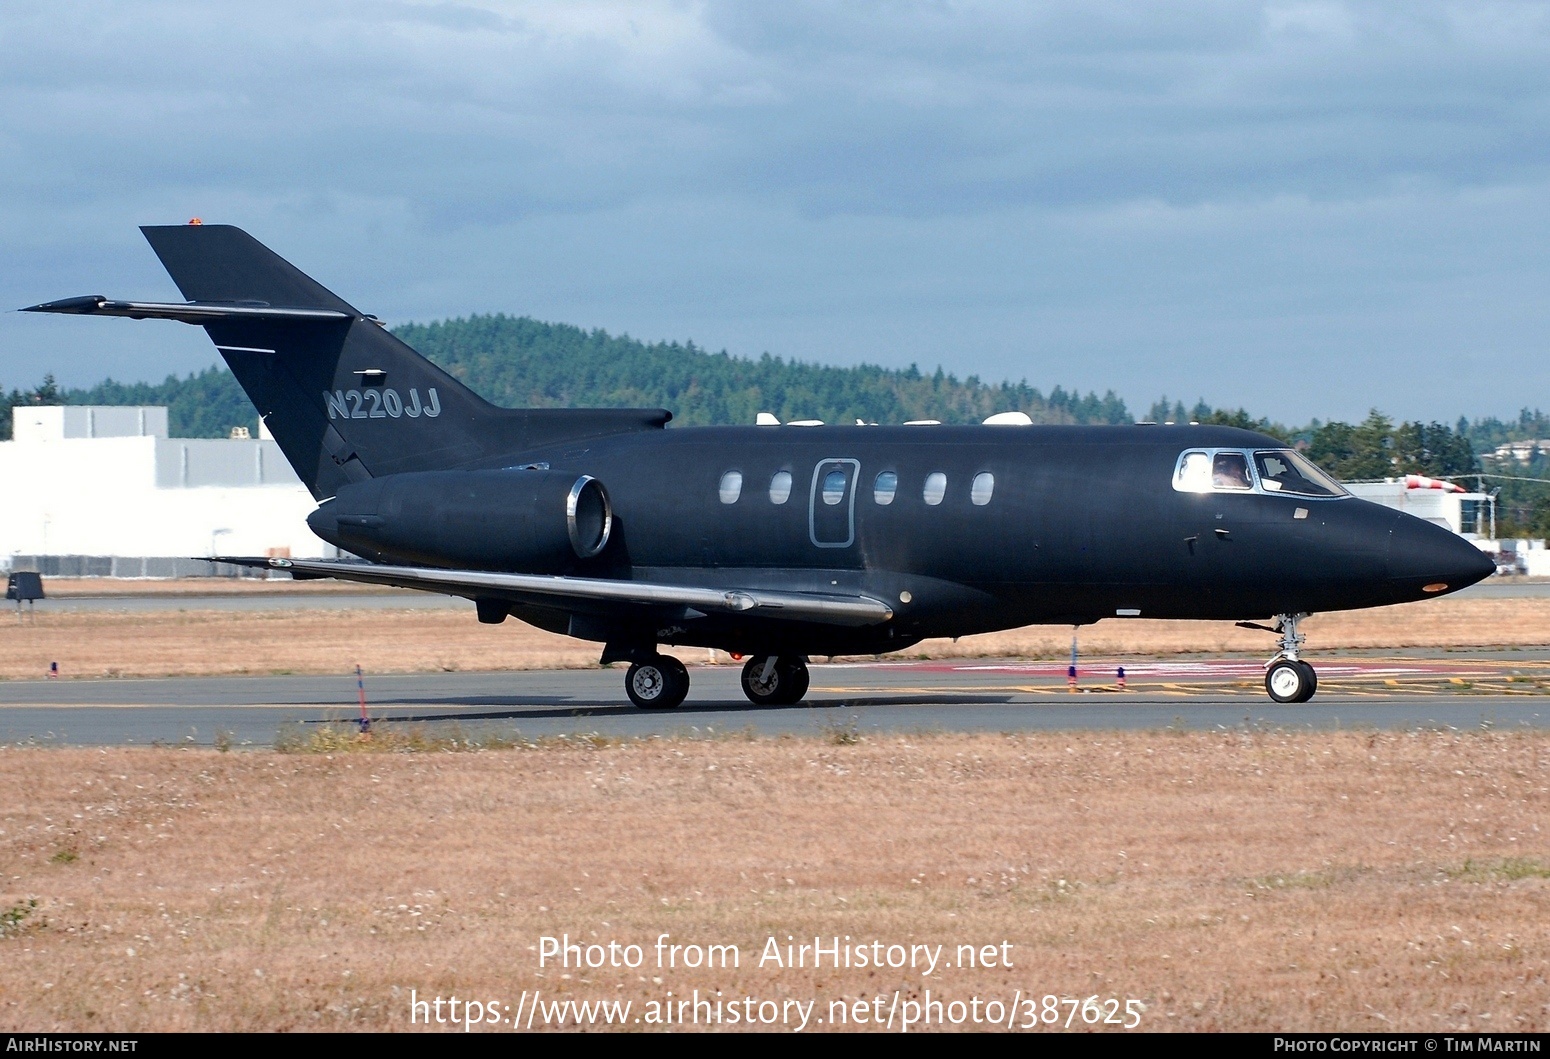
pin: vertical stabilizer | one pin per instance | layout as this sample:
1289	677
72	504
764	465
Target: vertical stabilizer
344	398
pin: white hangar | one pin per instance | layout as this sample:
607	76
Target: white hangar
107	492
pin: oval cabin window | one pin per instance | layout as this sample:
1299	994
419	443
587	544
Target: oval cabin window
885	487
731	487
936	488
982	490
780	487
833	487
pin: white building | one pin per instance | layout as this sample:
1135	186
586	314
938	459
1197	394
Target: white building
106	491
1522	451
1442	503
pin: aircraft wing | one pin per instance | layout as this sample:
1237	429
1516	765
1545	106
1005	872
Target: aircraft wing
827	608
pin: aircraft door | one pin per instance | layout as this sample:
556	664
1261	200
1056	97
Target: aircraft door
831	505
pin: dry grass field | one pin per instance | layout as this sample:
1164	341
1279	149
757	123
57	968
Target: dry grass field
77	587
1242	881
216	642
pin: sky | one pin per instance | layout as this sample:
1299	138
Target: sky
1308	209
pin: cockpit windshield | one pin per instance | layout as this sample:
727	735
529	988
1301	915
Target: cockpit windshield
1273	471
1286	471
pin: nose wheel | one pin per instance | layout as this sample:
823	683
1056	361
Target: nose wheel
775	680
1287	677
1291	681
657	684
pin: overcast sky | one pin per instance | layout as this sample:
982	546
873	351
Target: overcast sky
1305	208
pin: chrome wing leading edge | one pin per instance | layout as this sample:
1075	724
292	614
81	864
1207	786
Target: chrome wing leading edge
826	608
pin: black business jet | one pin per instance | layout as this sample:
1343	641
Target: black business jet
773	542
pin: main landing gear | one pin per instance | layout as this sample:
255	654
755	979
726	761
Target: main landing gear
775	680
1287	677
658	683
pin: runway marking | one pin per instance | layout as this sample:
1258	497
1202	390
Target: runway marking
1377	667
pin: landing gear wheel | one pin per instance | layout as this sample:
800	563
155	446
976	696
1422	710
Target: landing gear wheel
659	684
1313	680
1287	677
798	682
775	680
1290	680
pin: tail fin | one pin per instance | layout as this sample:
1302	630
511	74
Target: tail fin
344	398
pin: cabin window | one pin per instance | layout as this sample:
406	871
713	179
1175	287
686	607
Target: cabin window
1230	470
936	488
833	487
885	487
983	488
1285	471
731	487
780	487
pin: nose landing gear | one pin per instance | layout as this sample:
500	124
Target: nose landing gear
1287	677
775	680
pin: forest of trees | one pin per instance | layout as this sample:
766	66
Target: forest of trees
521	362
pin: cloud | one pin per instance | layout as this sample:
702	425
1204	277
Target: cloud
887	181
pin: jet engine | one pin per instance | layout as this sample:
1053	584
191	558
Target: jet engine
532	521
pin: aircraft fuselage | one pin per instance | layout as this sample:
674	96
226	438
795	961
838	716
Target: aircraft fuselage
1077	524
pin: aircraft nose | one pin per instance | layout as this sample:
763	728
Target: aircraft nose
1429	560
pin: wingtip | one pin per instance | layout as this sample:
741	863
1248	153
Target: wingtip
89	303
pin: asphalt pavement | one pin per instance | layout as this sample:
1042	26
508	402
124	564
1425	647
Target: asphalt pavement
1440	690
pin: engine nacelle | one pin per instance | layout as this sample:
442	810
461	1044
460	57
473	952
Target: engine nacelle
530	521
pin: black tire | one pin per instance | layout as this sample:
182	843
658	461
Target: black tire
1288	681
796	681
659	684
1313	681
785	686
676	669
761	692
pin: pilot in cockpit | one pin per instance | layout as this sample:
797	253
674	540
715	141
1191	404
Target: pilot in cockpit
1230	470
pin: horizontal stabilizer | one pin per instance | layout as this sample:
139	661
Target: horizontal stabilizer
188	312
219	263
828	609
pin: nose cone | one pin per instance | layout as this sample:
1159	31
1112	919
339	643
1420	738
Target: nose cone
1427	560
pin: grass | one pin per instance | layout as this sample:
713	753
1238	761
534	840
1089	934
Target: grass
390	738
840	732
18	917
1509	869
1249	880
1308	880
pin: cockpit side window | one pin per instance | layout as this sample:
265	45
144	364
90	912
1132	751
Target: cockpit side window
1230	470
1288	471
1194	473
